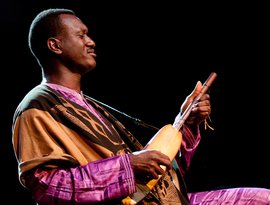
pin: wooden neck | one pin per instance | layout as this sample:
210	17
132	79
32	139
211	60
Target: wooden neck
181	118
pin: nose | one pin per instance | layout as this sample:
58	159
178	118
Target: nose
90	42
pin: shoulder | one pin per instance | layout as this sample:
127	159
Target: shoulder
38	97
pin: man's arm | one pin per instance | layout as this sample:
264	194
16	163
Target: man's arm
99	181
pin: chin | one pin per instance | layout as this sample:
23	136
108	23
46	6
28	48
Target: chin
89	68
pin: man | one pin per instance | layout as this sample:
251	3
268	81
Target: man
70	149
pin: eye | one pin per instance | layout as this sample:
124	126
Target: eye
84	35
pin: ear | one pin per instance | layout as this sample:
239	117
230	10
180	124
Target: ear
54	45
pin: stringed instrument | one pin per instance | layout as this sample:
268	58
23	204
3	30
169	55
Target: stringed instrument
168	141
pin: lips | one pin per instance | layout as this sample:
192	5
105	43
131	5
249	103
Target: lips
91	52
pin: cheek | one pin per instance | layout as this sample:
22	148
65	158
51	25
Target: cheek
74	52
73	46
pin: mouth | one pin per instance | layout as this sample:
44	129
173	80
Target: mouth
91	52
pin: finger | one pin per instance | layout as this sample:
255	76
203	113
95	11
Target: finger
164	160
196	90
204	105
155	171
191	96
201	110
205	97
153	174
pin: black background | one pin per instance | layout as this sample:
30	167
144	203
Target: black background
150	57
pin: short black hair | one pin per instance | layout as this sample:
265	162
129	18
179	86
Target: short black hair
45	25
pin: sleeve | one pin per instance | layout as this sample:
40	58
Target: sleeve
99	181
189	145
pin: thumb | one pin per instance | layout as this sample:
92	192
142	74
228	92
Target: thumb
196	91
191	96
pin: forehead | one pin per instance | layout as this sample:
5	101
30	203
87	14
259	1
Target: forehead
72	22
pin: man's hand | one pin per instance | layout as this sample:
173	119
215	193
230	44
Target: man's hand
147	164
201	110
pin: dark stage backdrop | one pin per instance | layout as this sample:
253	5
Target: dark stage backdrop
149	58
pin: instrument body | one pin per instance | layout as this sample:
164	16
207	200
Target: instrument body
168	141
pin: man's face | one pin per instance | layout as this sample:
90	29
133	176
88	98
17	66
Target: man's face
77	47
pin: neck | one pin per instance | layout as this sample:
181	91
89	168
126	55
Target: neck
61	75
71	84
